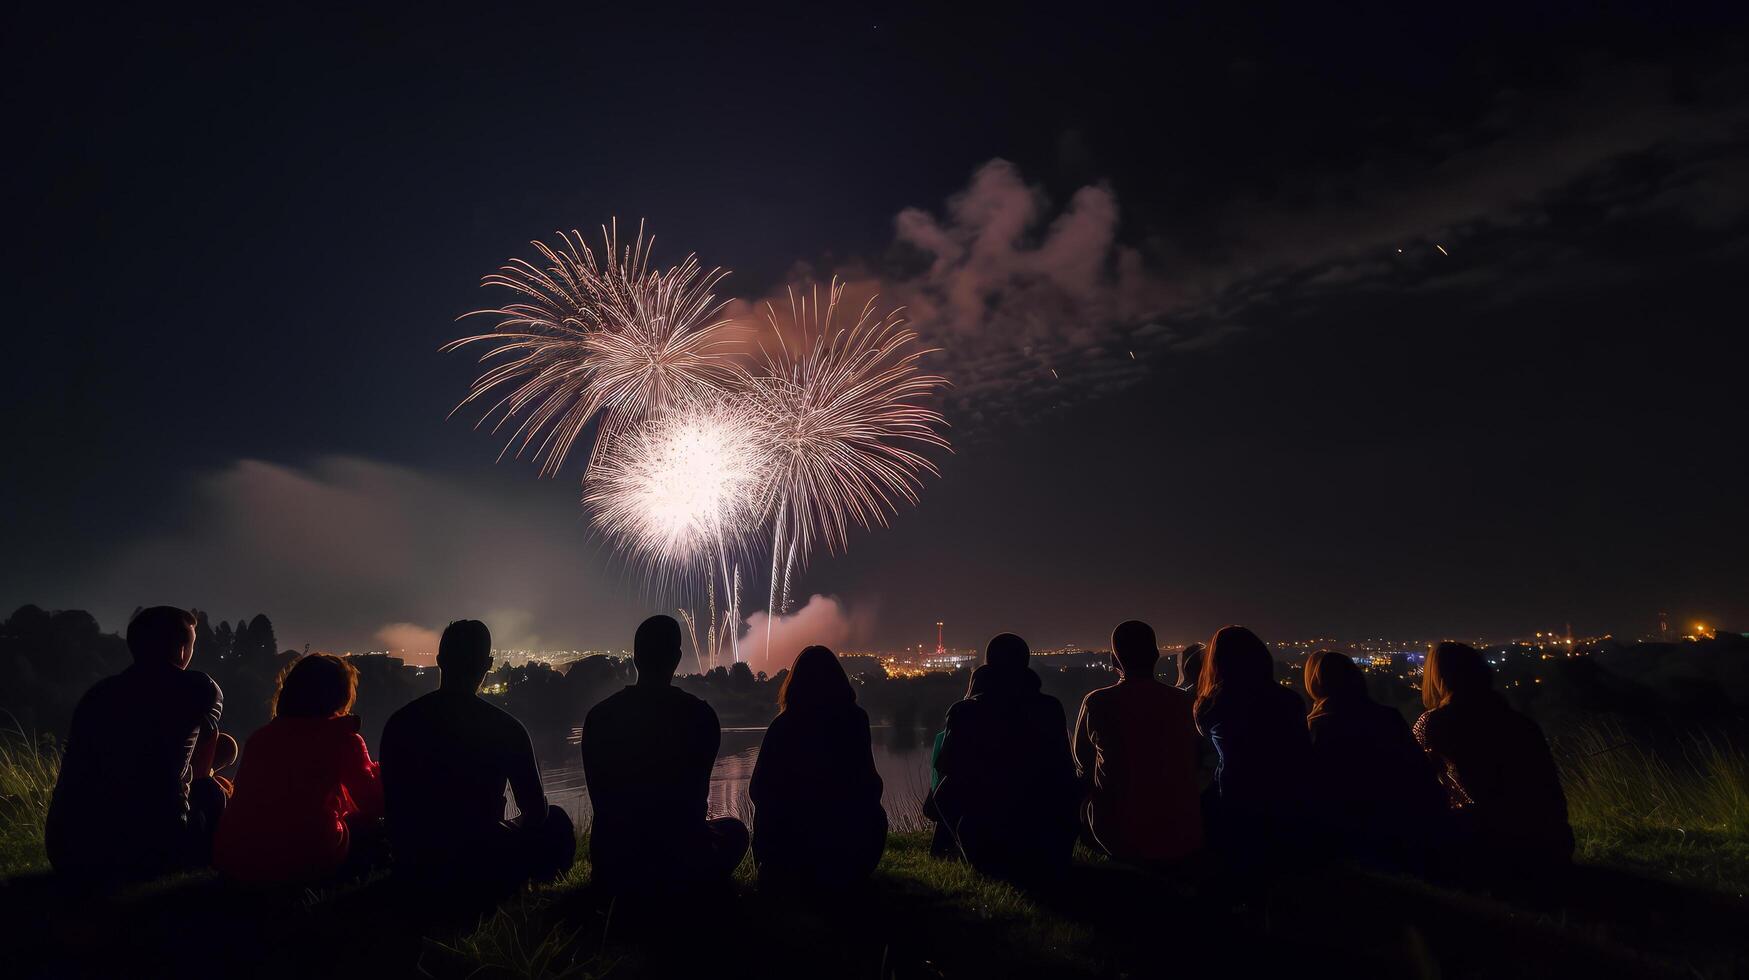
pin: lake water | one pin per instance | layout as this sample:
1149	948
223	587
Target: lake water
901	756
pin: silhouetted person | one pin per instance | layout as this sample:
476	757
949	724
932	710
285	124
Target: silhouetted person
1258	728
136	795
1371	788
942	843
817	817
1135	744
1189	668
648	750
1008	792
309	802
446	758
1494	764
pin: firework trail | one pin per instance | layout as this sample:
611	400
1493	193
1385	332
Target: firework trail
587	339
840	408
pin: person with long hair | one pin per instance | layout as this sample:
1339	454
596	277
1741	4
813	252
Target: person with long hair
1135	748
1499	776
1258	728
1372	788
817	817
309	799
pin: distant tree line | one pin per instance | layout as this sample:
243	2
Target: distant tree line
48	660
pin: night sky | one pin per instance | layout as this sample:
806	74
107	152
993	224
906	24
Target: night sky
235	243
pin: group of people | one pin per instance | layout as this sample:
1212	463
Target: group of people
1012	787
139	792
1470	787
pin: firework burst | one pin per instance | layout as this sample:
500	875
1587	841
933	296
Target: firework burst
694	451
841	410
606	340
684	489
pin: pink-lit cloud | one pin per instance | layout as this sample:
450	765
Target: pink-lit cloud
378	554
823	620
410	641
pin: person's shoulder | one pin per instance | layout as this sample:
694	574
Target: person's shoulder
1288	699
344	729
414	712
1099	696
1432	724
1386	716
106	688
609	705
1168	695
693	704
494	714
265	735
413	708
202	685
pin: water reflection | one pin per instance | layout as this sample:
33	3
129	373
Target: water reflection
901	756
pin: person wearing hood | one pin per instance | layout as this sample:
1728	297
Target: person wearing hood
1371	785
1499	776
1136	748
817	819
1008	792
1258	728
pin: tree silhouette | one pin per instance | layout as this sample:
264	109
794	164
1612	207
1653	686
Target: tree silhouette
740	678
206	644
263	646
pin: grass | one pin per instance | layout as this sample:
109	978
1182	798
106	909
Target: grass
28	768
1663	845
1685	818
936	918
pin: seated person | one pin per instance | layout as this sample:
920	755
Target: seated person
1136	744
648	751
941	843
817	818
1008	791
136	795
1258	728
308	801
446	758
1371	786
1495	764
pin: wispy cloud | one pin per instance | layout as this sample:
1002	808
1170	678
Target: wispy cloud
1033	301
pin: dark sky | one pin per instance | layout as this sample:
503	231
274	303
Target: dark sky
235	243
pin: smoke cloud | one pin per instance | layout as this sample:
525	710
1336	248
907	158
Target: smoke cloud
410	641
823	620
355	554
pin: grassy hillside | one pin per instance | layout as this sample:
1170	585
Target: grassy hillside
1658	892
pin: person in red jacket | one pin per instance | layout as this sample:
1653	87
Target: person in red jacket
308	798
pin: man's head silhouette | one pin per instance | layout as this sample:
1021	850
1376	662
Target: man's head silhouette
464	654
656	650
1135	649
162	636
1006	650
